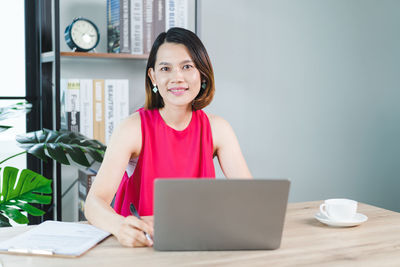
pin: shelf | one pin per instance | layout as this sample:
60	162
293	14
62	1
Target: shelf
102	55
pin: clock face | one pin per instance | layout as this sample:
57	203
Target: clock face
84	34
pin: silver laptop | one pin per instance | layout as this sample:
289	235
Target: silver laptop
209	214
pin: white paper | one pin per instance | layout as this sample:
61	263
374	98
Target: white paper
62	238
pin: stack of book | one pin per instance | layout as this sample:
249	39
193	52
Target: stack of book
94	107
85	180
133	25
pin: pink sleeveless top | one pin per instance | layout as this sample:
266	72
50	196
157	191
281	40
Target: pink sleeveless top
166	153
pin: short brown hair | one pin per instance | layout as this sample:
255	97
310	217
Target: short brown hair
200	57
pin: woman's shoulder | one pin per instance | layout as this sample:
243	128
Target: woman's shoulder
219	126
216	121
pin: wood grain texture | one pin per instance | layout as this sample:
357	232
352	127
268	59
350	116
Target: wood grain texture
102	55
306	242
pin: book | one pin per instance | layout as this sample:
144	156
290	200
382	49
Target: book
158	18
85	180
147	25
98	110
121	101
86	108
136	27
176	14
113	26
72	105
125	36
109	99
55	238
63	100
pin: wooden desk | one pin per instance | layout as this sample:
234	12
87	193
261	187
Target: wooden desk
306	242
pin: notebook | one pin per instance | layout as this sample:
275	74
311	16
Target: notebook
209	214
55	238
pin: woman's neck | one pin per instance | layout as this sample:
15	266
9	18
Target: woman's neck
177	118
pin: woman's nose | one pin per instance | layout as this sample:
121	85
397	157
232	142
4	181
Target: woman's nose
177	74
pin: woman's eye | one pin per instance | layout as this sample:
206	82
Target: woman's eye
164	68
187	67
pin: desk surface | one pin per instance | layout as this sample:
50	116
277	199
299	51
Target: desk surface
305	242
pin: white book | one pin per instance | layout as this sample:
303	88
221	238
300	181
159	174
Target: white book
122	101
182	10
137	27
170	14
109	92
86	107
176	14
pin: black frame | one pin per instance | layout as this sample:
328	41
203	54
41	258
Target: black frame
41	71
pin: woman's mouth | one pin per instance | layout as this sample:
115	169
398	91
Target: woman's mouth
178	90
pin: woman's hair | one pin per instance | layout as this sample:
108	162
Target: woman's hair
198	55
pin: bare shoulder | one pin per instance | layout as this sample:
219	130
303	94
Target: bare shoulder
222	132
218	123
128	134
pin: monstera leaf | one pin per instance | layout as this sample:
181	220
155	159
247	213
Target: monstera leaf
57	144
17	190
13	111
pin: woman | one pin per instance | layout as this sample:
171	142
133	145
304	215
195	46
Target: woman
171	136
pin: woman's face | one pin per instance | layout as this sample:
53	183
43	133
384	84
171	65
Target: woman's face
175	75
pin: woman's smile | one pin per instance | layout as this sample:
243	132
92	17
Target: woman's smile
177	91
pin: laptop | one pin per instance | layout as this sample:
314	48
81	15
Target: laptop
219	214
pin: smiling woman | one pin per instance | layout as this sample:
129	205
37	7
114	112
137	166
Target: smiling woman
172	137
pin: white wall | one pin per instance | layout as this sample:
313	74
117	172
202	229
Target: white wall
312	90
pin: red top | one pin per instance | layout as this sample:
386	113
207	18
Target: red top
166	153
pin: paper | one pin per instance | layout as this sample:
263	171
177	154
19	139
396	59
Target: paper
58	238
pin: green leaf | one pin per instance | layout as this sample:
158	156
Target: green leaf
4	221
95	154
18	189
15	215
77	155
30	209
15	110
57	152
4	128
58	144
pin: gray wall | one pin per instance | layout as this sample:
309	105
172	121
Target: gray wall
312	90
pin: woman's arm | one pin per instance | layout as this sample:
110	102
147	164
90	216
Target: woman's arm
227	149
125	142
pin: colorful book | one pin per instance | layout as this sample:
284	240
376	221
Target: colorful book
113	26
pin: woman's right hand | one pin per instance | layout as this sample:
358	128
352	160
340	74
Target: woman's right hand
130	232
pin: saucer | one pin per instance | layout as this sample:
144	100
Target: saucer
358	219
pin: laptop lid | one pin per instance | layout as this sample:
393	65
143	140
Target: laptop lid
209	214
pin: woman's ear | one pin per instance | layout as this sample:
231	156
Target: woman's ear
151	75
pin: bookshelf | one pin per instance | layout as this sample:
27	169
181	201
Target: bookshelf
102	55
90	65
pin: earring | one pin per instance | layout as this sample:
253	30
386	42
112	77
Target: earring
155	89
204	85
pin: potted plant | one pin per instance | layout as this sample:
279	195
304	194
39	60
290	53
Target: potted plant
21	188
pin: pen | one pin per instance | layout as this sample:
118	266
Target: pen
136	214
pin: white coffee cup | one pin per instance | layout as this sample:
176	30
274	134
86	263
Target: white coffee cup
339	209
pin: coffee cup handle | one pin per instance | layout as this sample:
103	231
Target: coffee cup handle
322	210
